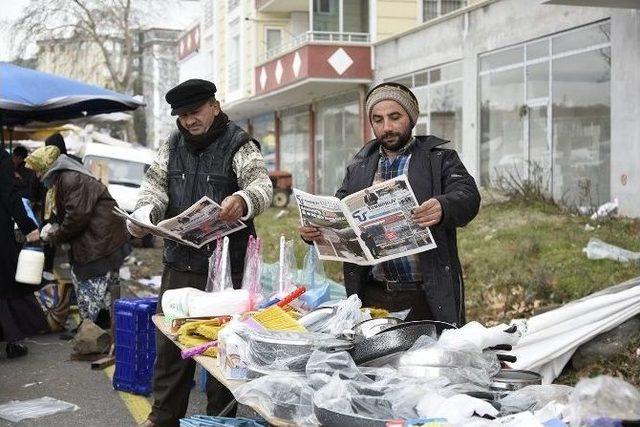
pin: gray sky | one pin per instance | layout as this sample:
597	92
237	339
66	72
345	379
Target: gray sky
10	11
185	12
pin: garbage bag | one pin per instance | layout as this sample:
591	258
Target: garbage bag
597	249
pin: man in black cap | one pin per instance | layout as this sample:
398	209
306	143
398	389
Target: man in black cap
208	155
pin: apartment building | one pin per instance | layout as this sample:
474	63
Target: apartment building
521	86
295	74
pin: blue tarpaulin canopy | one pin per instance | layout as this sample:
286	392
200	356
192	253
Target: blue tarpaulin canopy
28	95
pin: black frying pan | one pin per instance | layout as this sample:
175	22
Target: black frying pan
395	339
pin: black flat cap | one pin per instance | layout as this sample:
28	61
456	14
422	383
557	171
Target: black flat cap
189	95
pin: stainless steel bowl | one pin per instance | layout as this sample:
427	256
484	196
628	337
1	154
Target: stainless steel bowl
514	379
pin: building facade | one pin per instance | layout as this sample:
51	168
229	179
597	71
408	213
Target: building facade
531	89
295	74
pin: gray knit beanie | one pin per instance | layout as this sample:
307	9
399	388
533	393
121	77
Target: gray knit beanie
394	92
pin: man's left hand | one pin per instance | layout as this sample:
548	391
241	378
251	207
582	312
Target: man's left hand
429	213
233	208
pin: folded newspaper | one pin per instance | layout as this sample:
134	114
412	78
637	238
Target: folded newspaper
368	227
196	226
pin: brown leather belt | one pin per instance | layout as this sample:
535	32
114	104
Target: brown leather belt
390	286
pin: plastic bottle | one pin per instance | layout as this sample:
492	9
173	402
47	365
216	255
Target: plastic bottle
30	265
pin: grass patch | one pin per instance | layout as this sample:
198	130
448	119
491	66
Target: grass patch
285	222
521	257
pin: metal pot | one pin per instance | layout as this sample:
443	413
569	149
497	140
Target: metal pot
514	379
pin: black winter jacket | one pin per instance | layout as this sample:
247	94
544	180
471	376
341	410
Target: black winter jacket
433	172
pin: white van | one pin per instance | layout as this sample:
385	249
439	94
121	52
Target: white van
126	168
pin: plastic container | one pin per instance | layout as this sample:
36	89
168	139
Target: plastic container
30	266
135	345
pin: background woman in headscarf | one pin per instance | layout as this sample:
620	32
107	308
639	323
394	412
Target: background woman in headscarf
84	211
20	314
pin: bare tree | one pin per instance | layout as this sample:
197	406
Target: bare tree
110	26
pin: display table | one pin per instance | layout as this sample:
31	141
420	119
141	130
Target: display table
211	365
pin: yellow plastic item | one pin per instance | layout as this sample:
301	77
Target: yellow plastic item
378	312
190	328
208	331
275	318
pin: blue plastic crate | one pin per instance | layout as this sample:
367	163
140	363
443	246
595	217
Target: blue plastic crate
135	345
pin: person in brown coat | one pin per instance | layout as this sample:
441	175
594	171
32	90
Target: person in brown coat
97	237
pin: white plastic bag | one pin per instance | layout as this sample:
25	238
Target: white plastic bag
597	249
18	410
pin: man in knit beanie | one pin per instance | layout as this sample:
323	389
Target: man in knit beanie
428	283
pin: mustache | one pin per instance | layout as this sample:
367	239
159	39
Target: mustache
391	135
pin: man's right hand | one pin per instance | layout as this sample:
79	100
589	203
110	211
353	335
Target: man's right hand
310	234
136	230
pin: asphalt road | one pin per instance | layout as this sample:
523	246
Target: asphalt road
48	371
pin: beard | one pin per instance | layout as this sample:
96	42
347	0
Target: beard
395	141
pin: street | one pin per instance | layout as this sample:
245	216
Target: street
48	371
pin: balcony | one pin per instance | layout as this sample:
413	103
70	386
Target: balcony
315	36
627	4
270	6
315	66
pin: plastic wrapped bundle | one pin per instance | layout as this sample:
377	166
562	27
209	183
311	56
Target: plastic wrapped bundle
285	350
285	398
603	397
429	359
345	402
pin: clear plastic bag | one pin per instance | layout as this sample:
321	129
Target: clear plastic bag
253	270
603	397
354	398
346	314
534	397
322	366
285	398
315	280
19	410
285	350
219	275
287	266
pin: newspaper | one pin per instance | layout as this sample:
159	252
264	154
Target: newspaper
196	226
368	227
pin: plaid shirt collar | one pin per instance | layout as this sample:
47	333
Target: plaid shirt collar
403	151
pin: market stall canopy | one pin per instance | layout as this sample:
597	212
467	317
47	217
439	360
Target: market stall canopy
28	95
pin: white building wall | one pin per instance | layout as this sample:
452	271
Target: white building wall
625	110
496	24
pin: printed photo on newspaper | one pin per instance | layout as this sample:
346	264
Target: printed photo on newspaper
196	226
368	227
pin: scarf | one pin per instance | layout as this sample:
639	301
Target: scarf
200	142
40	161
